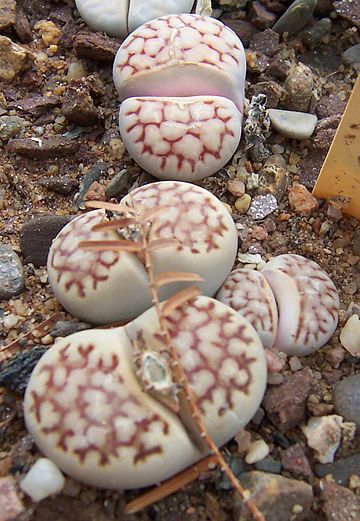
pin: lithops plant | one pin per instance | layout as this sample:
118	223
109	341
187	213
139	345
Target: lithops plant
181	81
248	292
119	17
109	286
88	406
291	302
307	300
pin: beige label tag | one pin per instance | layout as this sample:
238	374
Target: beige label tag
340	173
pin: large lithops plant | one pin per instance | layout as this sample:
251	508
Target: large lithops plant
119	17
181	81
196	233
127	407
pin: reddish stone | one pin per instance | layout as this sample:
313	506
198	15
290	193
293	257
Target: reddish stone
301	200
260	16
244	30
295	461
10	504
95	46
285	404
266	42
339	502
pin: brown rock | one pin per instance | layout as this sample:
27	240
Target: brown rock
78	106
266	42
36	105
10	503
276	6
22	26
44	147
294	460
244	30
14	59
61	185
325	132
260	16
49	32
299	86
277	498
273	177
350	10
310	166
7	13
339	502
285	404
330	105
37	235
95	46
301	200
71	509
256	62
271	89
278	68
236	187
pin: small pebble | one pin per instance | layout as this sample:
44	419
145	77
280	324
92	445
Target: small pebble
259	449
350	335
242	204
295	364
352	55
347	399
12	277
268	465
292	124
275	379
295	17
117	184
323	434
43	479
301	200
262	205
10	321
236	187
75	71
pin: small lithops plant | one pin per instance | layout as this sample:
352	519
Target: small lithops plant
119	17
248	292
88	403
181	81
291	302
196	234
307	300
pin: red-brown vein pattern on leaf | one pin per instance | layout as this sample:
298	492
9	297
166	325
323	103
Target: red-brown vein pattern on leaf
89	413
248	292
180	38
192	216
77	268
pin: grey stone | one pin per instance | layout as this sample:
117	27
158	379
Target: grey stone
15	373
351	55
295	17
11	273
10	126
89	178
275	496
268	465
60	184
67	327
314	35
37	235
117	183
347	399
341	469
292	124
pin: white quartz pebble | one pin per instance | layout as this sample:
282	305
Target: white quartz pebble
295	125
350	335
259	449
323	434
43	479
